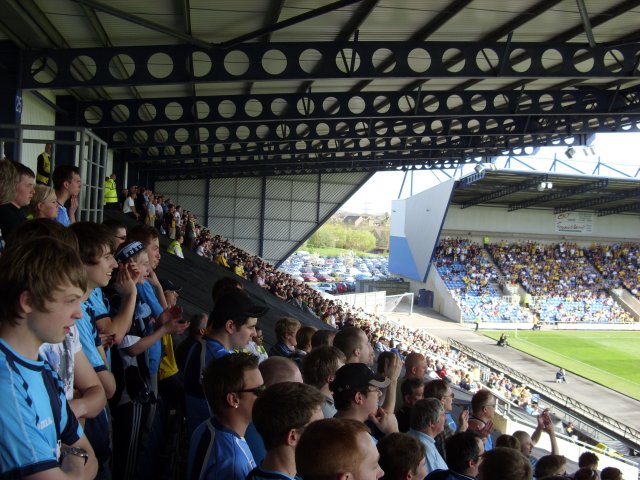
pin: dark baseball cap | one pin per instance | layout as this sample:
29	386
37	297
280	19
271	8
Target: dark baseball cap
235	304
356	377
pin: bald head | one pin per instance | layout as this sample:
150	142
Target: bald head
415	366
279	369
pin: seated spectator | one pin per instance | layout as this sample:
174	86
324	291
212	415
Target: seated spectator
231	324
611	473
402	457
318	369
356	392
286	330
118	231
427	421
256	345
504	464
218	449
550	465
280	415
464	451
67	184
412	390
333	448
44	203
11	213
35	309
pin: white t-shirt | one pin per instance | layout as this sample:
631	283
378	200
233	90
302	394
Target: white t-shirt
127	205
61	357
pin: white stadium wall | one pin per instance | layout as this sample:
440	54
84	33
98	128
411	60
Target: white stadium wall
580	227
36	112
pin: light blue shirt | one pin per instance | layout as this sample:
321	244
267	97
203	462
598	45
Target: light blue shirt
63	216
433	458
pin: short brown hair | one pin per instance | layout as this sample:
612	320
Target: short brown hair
549	465
23	170
330	447
40	268
144	234
226	375
43	228
348	339
480	399
63	173
502	463
508	441
320	363
400	453
283	407
610	473
93	238
286	325
436	389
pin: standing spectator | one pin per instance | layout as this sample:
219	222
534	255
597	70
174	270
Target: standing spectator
197	328
111	193
256	345
286	330
528	442
11	214
280	416
44	162
175	247
504	463
402	457
334	448
218	450
483	408
550	465
231	324
427	421
318	369
44	203
41	434
129	205
411	390
67	184
441	390
464	452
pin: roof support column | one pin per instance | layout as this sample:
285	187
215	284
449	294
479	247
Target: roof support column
263	209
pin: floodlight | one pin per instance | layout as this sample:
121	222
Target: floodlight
570	152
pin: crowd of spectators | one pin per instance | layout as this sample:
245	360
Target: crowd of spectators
618	264
561	281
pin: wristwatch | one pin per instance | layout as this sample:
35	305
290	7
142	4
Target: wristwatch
78	452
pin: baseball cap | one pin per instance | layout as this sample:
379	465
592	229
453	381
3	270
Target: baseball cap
235	304
169	285
357	376
128	251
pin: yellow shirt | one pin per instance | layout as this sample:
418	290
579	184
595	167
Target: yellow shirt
168	366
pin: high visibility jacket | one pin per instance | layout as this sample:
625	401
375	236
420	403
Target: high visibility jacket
43	173
110	191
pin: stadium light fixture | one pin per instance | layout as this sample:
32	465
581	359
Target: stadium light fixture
570	152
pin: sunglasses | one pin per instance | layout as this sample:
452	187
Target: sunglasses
257	391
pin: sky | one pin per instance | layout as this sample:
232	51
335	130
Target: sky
619	151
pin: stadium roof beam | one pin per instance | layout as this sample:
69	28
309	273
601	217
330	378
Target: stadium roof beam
178	72
569	192
447	106
621	209
599	201
506	191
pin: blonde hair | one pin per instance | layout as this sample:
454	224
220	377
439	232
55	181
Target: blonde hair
42	194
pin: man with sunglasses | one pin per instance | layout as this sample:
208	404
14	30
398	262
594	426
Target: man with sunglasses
218	449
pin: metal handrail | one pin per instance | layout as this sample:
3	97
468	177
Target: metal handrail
629	434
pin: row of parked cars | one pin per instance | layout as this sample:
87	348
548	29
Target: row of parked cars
335	274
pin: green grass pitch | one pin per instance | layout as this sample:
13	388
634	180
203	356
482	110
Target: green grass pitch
611	359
